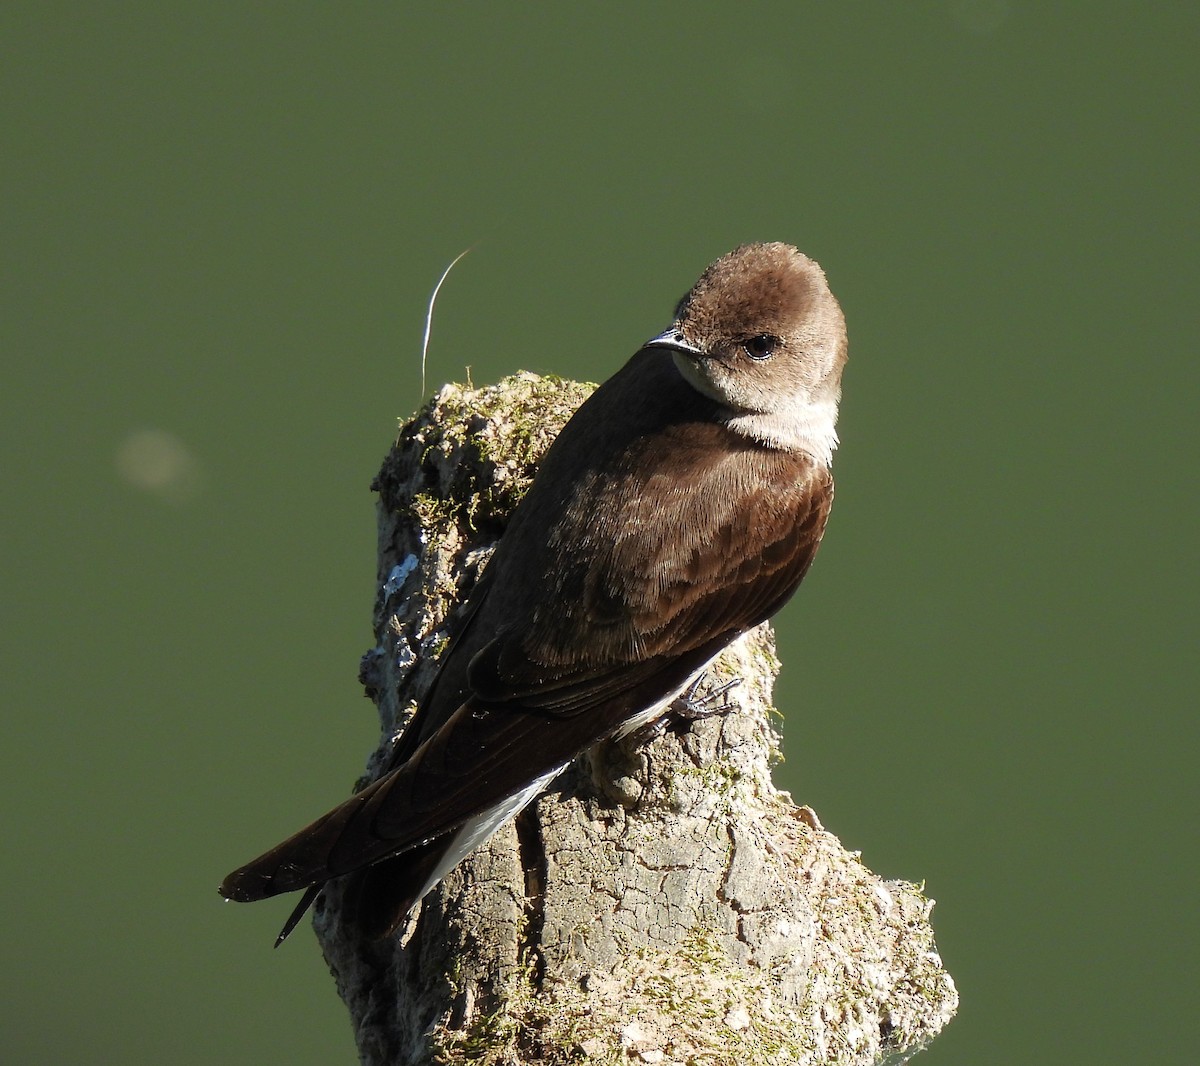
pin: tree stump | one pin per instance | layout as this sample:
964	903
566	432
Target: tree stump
662	902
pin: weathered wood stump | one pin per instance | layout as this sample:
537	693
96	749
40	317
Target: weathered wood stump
663	901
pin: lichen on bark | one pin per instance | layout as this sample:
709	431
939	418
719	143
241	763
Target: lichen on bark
662	901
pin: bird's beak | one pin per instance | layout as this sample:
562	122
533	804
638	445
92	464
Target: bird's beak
672	340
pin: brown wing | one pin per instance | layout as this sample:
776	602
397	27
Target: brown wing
651	537
532	710
698	546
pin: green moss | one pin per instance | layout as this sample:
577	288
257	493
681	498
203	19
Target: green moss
691	1004
719	778
432	512
487	443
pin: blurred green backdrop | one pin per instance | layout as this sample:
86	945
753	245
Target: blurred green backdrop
221	224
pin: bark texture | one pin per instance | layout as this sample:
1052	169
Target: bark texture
663	902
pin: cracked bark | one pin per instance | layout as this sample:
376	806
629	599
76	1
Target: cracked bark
662	901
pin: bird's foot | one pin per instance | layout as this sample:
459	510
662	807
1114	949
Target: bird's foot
695	703
700	701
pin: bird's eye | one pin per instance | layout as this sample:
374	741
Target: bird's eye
761	346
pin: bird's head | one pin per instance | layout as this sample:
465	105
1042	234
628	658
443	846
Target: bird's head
761	334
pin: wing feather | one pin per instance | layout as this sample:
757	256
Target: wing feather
612	586
526	717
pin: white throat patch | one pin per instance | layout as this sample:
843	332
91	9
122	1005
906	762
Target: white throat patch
800	425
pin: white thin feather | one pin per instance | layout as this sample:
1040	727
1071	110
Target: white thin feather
429	313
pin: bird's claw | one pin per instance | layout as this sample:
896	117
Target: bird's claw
689	706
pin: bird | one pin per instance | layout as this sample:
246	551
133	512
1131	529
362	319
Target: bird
679	507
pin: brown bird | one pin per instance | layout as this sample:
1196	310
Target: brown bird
680	506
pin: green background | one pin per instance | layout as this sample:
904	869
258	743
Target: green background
221	225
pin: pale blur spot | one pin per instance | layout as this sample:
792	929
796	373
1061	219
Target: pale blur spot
158	462
981	16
